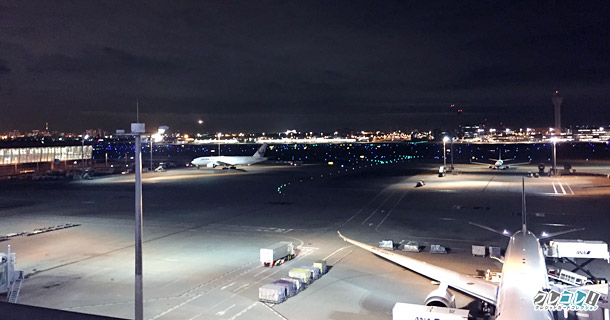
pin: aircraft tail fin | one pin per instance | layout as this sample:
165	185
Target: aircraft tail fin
261	151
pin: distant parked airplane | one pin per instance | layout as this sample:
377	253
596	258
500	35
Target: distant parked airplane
499	163
231	161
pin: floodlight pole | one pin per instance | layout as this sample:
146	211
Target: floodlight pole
554	157
139	312
137	129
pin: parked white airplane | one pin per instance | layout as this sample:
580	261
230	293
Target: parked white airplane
524	273
499	163
231	161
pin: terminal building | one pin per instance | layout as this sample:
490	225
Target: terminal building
39	160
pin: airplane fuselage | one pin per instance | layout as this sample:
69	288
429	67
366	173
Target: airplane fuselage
499	164
230	160
524	273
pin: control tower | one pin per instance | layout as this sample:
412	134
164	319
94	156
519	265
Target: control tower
557	100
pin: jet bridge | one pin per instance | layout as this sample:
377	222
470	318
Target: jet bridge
10	279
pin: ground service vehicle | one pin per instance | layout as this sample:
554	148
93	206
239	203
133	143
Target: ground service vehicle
277	254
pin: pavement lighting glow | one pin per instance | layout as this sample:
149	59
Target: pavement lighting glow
554	140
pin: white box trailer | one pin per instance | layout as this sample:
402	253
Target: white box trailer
404	311
276	254
577	249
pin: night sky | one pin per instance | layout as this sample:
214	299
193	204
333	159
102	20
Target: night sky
307	65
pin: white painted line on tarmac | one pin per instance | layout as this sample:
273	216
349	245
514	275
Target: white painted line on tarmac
554	188
263	271
241	287
570	188
390	211
243	311
274	311
228	285
561	186
221	313
360	211
375	211
336	251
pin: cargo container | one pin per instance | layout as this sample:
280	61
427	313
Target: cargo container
411	246
404	311
299	284
301	274
478	251
386	244
291	288
321	265
315	272
272	293
437	248
495	252
276	254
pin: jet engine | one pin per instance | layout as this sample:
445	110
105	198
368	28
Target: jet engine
211	165
440	297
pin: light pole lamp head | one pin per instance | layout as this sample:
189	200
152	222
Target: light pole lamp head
138	127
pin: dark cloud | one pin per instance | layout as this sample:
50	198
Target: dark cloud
4	69
317	63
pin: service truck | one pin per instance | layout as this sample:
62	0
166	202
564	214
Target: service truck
277	254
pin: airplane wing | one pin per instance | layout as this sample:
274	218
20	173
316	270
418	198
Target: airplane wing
504	232
546	235
482	164
519	164
475	287
223	163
